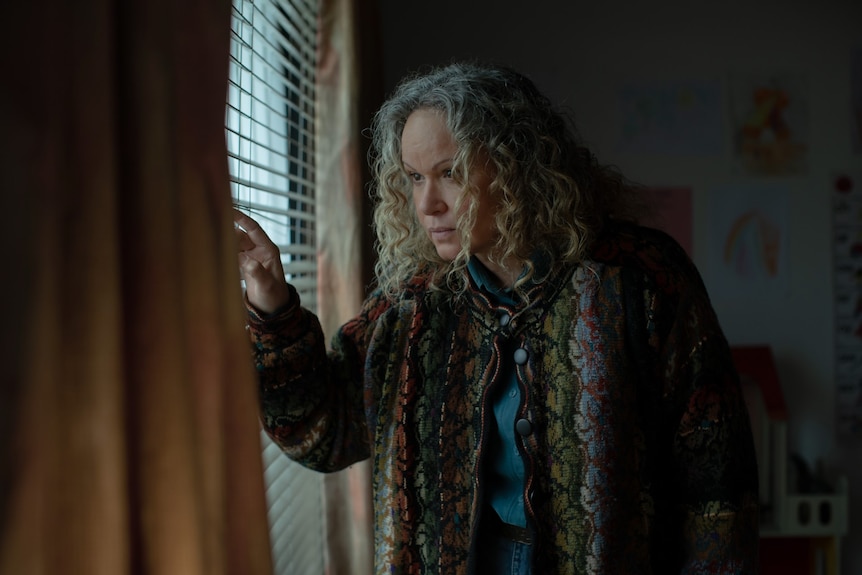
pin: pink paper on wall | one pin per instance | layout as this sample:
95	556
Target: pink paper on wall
672	213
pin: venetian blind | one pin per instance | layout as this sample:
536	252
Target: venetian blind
270	127
270	140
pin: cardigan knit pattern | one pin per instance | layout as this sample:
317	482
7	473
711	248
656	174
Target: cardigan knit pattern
636	439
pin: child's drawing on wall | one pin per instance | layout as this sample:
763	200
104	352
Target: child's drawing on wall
770	115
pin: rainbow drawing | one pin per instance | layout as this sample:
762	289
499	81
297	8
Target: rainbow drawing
752	248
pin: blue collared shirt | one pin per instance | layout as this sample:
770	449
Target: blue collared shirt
505	469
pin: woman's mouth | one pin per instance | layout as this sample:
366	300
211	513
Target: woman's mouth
438	234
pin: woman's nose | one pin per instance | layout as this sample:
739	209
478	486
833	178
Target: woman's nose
429	200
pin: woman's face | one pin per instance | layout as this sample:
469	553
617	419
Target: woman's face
427	154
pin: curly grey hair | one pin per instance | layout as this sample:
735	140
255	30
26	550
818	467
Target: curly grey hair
554	196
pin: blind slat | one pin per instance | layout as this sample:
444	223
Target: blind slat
263	152
274	116
300	267
270	212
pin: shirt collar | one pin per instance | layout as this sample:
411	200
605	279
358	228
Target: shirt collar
486	281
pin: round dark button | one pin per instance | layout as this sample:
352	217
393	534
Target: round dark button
536	497
505	319
520	356
524	427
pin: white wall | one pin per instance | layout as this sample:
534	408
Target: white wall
580	54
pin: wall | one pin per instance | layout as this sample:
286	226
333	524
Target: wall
580	54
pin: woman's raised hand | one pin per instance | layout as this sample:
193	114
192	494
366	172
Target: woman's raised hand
260	265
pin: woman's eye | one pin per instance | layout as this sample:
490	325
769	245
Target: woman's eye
447	173
414	177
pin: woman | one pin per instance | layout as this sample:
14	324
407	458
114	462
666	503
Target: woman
542	385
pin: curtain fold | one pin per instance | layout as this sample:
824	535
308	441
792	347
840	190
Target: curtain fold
128	411
348	91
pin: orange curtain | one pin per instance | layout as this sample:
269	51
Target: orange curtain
348	91
128	417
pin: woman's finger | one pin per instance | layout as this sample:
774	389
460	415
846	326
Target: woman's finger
244	242
252	229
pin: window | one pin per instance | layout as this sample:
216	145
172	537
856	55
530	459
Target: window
270	140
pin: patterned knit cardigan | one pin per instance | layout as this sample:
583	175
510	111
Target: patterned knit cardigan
638	453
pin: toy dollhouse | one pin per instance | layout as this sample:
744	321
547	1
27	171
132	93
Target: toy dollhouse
800	531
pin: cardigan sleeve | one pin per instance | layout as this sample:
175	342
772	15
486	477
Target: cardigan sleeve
312	397
712	463
715	462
